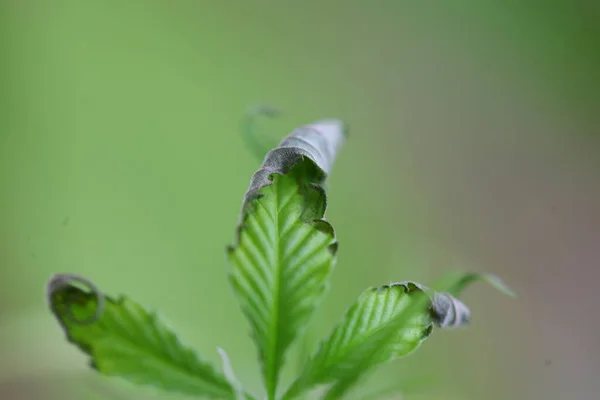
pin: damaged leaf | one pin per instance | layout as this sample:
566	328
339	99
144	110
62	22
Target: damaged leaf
124	340
285	250
385	323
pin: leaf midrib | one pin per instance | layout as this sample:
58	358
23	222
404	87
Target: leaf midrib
272	373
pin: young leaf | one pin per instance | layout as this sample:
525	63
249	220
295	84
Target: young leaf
124	340
384	324
285	251
381	325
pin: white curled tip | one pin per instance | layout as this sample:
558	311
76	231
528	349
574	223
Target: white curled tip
334	133
333	129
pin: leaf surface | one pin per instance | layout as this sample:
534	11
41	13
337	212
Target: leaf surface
384	324
124	340
285	251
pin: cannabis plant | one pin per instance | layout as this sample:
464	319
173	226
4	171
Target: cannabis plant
280	267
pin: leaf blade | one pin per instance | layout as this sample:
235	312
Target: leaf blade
357	345
285	251
381	319
124	340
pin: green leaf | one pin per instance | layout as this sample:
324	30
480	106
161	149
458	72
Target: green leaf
380	326
285	251
384	324
124	340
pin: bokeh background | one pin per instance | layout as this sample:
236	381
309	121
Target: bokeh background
473	146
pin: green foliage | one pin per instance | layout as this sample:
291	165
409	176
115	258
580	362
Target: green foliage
279	267
384	324
285	251
122	339
377	328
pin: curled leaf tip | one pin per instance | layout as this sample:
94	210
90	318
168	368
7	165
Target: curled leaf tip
60	283
329	126
446	310
449	312
319	141
333	124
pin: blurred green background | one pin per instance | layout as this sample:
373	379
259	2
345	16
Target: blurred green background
473	145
